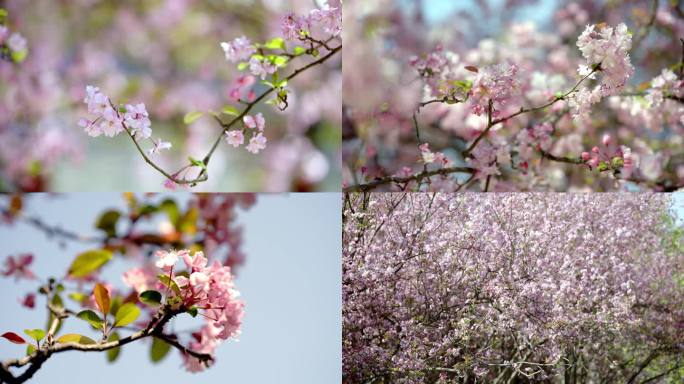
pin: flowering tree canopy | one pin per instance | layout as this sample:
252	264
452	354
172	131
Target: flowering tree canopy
579	104
512	288
172	277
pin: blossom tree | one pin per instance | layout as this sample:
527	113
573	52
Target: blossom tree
442	288
185	267
578	104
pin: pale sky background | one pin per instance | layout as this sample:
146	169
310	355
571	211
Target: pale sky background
291	284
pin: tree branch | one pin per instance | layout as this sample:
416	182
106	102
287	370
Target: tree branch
203	176
37	358
403	180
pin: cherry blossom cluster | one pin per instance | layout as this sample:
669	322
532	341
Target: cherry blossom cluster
254	124
444	287
299	27
611	157
532	140
13	45
606	49
210	288
496	84
110	120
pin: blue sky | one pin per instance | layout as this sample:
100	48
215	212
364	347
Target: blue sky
290	283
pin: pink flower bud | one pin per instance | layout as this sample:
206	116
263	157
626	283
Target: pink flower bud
595	149
606	140
585	156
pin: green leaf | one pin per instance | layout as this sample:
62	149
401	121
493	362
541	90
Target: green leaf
242	66
35	334
102	298
190	117
107	222
113	353
78	297
116	303
230	110
171	208
19	56
280	61
298	51
169	283
197	163
126	314
91	317
151	298
159	349
88	262
192	311
75	338
277	43
30	349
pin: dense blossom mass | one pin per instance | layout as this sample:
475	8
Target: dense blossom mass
538	287
207	287
514	107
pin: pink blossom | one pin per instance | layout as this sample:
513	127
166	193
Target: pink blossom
235	138
4	32
495	83
16	42
166	260
257	143
291	26
239	49
137	120
140	279
253	122
261	68
158	146
19	267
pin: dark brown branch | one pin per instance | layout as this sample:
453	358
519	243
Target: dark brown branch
403	180
37	358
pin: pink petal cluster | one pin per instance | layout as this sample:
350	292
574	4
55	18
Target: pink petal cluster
261	67
295	27
496	83
610	157
607	49
211	289
486	159
257	142
239	49
241	88
137	119
665	84
140	279
19	267
429	157
534	139
111	121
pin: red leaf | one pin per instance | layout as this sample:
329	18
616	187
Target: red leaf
472	68
13	337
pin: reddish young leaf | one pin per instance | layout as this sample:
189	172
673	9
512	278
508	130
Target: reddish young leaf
13	337
101	298
472	68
